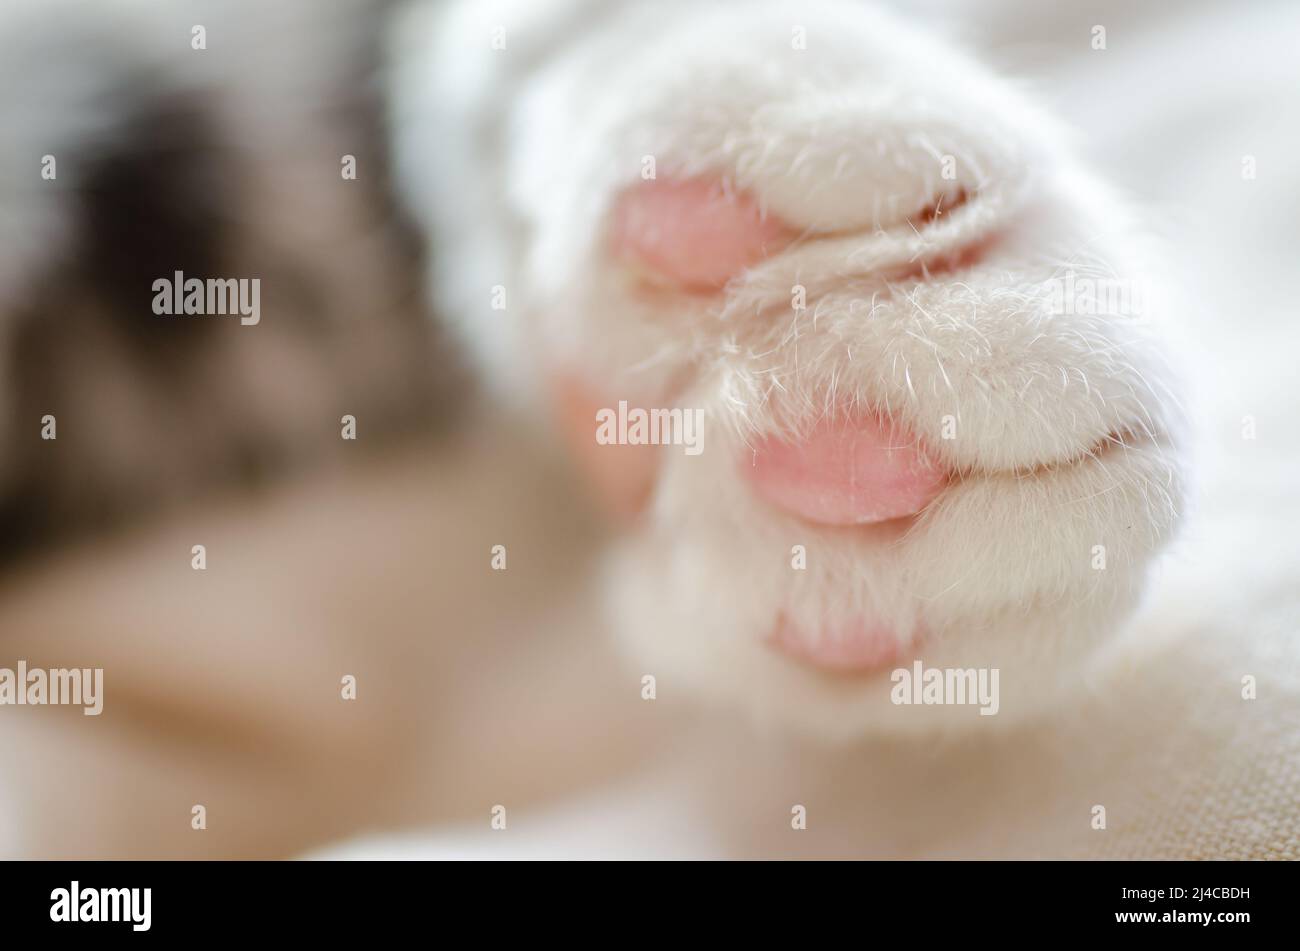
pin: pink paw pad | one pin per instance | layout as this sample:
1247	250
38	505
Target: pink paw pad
694	233
846	472
857	648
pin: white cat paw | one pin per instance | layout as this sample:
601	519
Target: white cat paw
937	421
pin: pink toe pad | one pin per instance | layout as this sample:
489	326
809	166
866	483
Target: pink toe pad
846	472
693	233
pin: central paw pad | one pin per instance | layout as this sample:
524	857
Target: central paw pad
847	472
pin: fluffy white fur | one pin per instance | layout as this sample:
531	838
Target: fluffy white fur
1066	424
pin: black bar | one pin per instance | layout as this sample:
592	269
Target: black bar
866	900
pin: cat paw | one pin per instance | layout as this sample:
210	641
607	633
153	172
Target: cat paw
936	418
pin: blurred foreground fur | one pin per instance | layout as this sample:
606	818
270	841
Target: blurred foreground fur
220	162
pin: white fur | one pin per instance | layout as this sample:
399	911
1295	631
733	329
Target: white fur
1067	425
